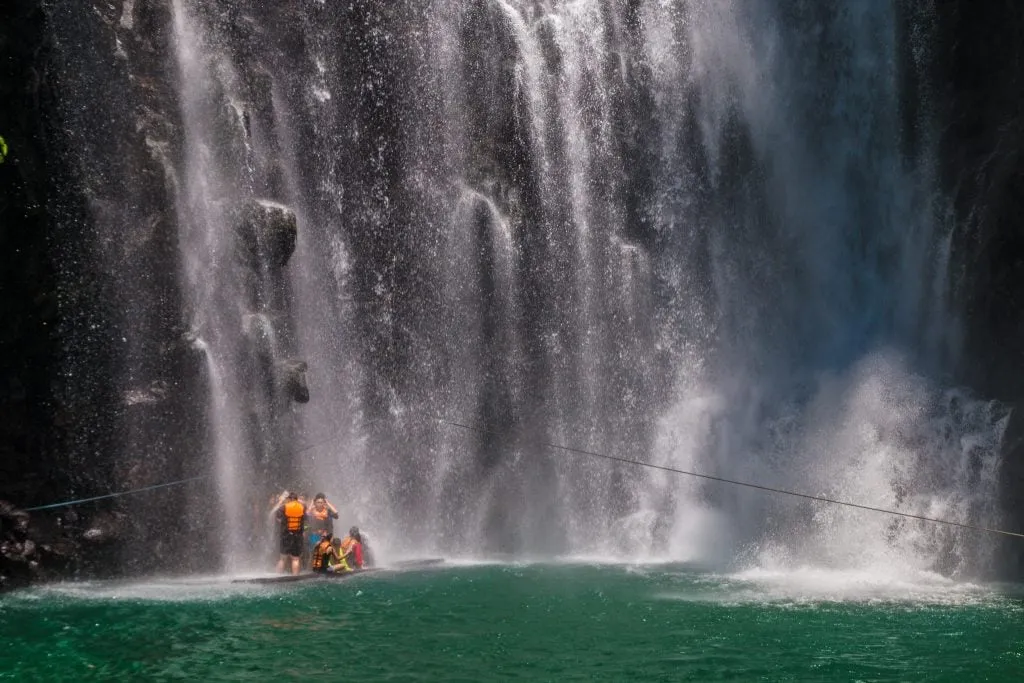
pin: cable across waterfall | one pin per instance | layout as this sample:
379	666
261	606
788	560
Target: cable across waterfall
706	235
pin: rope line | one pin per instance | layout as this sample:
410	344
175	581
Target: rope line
820	499
594	454
79	501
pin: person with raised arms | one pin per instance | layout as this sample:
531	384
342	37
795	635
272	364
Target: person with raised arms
321	519
291	515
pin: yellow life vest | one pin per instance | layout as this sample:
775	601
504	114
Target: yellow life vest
339	563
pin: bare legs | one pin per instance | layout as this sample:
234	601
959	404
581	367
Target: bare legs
283	559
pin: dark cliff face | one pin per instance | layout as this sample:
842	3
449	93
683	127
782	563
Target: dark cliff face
29	342
33	468
90	119
72	159
979	76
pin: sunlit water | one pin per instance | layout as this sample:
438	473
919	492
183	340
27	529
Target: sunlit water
538	622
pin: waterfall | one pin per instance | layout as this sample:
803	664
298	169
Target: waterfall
827	263
205	248
700	233
234	239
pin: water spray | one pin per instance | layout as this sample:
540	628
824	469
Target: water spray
80	501
723	480
579	451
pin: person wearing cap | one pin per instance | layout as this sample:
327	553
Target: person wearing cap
321	519
352	549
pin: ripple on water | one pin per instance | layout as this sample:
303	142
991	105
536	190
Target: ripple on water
562	621
812	585
204	588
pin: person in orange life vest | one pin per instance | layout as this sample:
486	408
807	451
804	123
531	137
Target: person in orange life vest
292	517
278	501
321	519
321	555
352	549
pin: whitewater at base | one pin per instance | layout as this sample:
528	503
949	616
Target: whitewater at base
480	620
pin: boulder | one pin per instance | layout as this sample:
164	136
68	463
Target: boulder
18	557
292	377
12	520
104	528
155	392
267	233
258	329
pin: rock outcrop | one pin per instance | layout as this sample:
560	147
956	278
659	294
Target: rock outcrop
100	381
29	553
293	380
267	233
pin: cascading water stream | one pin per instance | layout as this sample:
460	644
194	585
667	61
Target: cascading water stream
204	252
227	447
234	240
702	233
822	267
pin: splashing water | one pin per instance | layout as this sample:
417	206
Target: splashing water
701	233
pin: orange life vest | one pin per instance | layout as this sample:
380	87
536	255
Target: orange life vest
322	549
347	544
294	512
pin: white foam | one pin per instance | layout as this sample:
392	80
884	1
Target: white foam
192	589
481	562
809	585
209	587
798	586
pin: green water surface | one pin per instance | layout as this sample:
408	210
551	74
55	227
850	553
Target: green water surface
567	622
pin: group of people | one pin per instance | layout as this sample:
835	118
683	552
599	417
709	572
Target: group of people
309	531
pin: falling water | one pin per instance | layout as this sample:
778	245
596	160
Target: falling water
234	239
827	267
701	233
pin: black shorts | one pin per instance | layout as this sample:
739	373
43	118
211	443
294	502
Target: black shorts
291	544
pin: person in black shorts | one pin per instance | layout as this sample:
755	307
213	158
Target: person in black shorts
292	516
291	544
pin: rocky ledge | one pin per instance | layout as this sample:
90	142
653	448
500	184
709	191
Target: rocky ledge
51	546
